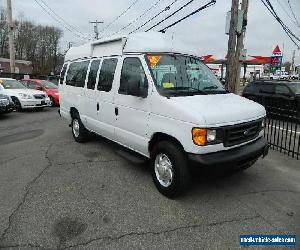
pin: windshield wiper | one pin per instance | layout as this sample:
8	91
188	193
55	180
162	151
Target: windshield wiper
211	87
185	93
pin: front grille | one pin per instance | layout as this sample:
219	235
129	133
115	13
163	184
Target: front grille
39	96
240	133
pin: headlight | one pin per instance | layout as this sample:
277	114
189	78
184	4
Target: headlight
203	136
25	96
211	135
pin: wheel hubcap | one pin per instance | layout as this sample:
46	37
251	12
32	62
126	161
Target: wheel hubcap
76	127
163	170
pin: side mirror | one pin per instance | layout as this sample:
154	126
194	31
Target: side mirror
134	89
39	88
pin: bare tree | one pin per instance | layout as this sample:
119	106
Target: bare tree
36	43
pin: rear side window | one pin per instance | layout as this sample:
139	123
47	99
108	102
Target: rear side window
77	73
62	74
132	70
93	74
267	89
107	73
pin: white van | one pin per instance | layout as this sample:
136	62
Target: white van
151	95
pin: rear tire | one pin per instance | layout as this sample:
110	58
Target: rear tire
79	132
170	171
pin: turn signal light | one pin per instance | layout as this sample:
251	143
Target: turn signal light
199	136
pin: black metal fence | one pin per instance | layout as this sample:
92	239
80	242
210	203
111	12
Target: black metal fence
282	124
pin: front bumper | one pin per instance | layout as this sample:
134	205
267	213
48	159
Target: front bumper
35	103
7	108
235	156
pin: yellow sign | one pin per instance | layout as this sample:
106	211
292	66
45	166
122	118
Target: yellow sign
168	85
153	60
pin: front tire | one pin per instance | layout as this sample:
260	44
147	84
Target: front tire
17	103
79	132
170	171
51	101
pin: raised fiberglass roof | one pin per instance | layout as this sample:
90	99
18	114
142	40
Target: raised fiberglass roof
143	42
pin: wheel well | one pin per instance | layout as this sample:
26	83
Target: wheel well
73	112
14	98
158	137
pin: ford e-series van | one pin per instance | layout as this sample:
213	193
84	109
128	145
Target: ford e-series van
149	93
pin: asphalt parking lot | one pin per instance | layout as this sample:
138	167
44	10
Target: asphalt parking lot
57	194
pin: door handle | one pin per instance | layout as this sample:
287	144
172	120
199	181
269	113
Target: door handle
97	106
116	111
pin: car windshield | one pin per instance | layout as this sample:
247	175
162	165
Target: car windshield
295	87
178	75
11	84
49	85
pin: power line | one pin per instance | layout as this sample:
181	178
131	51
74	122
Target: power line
58	21
286	12
117	18
293	13
290	34
211	3
281	22
151	19
76	29
176	11
139	17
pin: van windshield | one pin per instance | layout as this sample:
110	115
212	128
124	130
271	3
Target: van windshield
178	75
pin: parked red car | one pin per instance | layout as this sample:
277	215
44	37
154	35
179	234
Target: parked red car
48	87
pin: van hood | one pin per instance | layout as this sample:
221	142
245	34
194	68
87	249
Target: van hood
14	92
219	109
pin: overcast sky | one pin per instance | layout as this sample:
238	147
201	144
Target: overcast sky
205	29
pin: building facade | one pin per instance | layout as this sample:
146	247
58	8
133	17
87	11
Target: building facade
22	66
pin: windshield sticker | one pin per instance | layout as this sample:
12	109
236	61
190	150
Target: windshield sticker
153	61
168	85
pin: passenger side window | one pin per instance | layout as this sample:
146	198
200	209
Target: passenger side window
93	74
281	90
62	74
76	74
132	70
107	74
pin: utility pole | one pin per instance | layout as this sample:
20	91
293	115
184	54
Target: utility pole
293	62
240	41
231	58
70	44
11	37
96	28
237	30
